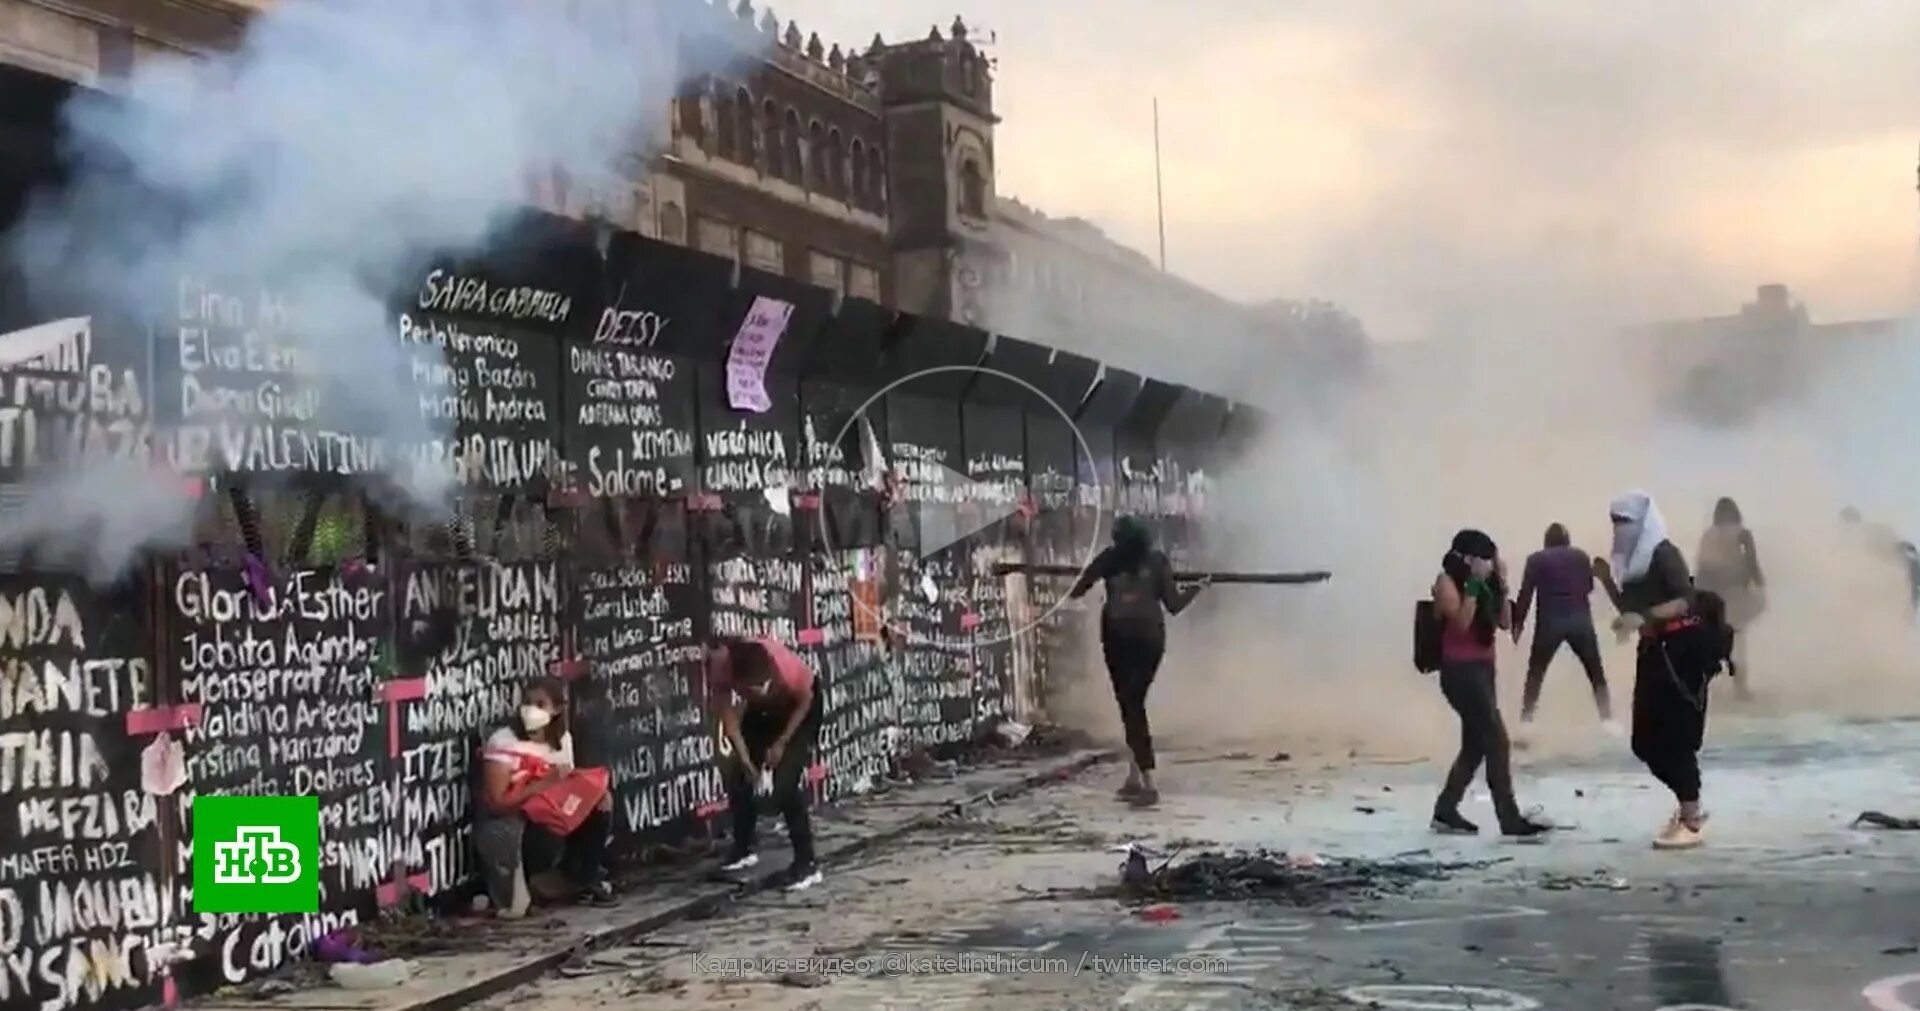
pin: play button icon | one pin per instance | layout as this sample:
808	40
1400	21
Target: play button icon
947	507
932	507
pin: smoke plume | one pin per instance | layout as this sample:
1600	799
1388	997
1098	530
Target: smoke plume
318	161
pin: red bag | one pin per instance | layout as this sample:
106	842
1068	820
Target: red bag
561	808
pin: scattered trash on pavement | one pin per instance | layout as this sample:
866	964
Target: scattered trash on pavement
1304	880
1876	819
372	975
1601	880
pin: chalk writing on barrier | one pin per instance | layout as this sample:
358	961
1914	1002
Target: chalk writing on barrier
79	897
245	392
60	404
456	295
491	398
630	431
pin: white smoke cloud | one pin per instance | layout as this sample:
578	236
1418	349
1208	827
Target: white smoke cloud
337	142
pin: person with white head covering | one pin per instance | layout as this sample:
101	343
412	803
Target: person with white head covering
1650	585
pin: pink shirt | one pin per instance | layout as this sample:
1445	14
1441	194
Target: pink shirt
792	673
1461	645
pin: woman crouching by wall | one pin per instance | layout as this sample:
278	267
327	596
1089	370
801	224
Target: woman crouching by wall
1676	657
537	814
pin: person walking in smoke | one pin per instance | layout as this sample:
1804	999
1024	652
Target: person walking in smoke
1133	636
1730	566
1562	575
1879	540
1470	598
1676	656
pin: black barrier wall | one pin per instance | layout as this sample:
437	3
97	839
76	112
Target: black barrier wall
613	506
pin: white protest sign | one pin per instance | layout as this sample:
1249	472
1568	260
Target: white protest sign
753	346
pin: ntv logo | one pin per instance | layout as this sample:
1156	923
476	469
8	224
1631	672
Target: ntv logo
256	855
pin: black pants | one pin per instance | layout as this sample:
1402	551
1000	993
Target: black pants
581	856
1483	738
1133	658
1575	632
761	727
1669	718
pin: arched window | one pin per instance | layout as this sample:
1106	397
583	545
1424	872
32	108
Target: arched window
877	178
861	198
817	157
968	73
794	164
771	141
724	130
836	165
743	123
693	119
973	190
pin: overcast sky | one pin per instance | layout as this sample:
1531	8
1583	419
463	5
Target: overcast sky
1430	162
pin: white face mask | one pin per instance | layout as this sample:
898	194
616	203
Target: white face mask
535	718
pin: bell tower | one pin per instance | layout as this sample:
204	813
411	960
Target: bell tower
937	94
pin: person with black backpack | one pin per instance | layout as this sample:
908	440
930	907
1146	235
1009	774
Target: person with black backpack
1684	640
1133	636
1469	604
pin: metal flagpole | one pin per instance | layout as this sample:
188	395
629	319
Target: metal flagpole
1159	194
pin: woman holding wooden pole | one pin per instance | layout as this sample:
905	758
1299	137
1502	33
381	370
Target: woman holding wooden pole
1133	636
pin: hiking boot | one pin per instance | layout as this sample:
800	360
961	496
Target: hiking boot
1128	790
1525	828
1678	835
801	877
1450	823
1146	796
745	862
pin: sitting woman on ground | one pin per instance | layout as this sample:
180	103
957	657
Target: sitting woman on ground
518	833
1470	598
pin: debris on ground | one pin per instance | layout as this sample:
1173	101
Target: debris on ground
1011	733
803	980
1600	880
372	975
1159	914
1304	880
414	936
1281	756
342	946
1879	820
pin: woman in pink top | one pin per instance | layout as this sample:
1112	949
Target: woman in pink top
770	713
1470	594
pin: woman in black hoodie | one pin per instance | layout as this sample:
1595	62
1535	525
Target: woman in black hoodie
1133	636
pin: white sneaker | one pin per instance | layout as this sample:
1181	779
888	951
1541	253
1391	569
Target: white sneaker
806	880
1677	836
745	863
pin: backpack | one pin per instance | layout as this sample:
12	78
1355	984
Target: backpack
1426	637
1133	596
1705	647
